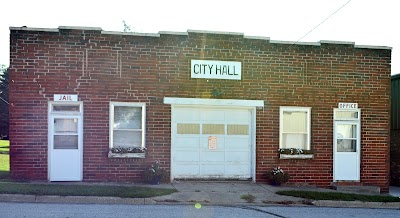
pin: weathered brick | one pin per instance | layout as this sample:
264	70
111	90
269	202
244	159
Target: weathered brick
100	68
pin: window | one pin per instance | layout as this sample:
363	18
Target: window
188	128
65	133
213	129
127	125
295	131
346	114
346	136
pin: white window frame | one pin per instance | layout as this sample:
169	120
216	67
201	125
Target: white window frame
300	109
65	103
127	104
336	110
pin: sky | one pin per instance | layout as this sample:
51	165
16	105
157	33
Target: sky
365	22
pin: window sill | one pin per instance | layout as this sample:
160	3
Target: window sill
126	155
296	156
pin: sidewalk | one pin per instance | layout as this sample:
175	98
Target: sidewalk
210	193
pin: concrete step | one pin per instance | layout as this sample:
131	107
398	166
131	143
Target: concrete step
357	188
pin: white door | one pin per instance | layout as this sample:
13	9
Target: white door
65	146
346	151
211	143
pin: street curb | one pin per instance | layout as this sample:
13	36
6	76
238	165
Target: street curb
73	199
357	204
17	198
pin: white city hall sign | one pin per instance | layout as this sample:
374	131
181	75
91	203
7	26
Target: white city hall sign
216	69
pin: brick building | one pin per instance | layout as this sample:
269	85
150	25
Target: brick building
92	105
395	131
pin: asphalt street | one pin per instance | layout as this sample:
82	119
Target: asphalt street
44	210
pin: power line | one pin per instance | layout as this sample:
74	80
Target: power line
321	23
4	100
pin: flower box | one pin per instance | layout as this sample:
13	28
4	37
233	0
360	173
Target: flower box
126	155
295	153
127	152
296	156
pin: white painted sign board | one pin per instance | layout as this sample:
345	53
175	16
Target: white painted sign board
347	105
59	97
212	142
216	69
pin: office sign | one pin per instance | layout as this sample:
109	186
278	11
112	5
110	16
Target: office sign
348	105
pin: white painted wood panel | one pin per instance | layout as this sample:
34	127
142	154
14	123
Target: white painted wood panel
193	158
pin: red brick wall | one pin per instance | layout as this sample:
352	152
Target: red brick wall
100	68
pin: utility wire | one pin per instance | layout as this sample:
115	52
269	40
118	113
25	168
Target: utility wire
321	23
4	100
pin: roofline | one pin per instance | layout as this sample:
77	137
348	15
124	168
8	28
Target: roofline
79	28
267	39
215	32
24	28
395	76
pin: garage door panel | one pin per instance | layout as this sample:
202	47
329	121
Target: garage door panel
237	157
238	115
212	115
213	156
212	169
187	115
242	171
182	155
187	142
187	170
237	143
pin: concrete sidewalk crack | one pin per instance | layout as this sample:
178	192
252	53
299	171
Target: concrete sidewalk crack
259	210
265	188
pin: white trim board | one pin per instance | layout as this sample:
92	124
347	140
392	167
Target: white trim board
213	102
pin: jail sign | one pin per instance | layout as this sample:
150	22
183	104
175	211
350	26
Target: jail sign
58	97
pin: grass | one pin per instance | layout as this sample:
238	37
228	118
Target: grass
68	190
338	196
4	160
248	198
4	146
82	190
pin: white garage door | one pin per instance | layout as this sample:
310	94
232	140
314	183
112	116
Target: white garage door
211	143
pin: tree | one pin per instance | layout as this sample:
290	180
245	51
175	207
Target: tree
127	28
4	102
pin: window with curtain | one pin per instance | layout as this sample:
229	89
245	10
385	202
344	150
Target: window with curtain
127	125
295	131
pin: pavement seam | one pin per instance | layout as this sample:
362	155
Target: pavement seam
259	210
174	186
265	188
